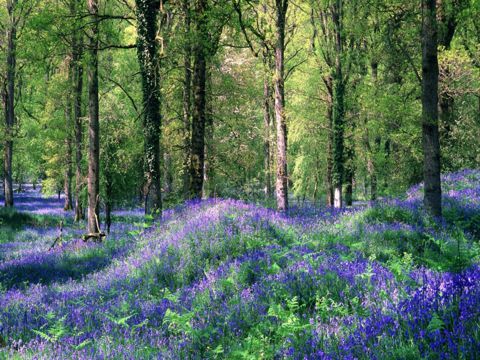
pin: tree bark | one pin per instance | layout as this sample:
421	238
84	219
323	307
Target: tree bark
9	101
430	135
338	113
197	155
328	83
77	90
67	184
93	181
147	14
282	172
187	107
267	96
371	156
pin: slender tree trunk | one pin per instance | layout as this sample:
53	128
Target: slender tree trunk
349	187
67	187
147	11
168	166
329	85
187	91
197	156
371	162
109	198
208	167
282	174
338	111
93	181
266	124
430	135
9	100
338	139
77	90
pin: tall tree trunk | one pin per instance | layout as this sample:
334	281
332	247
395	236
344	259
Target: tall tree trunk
282	174
187	90
338	111
77	90
67	184
208	167
267	96
338	139
430	136
371	162
9	100
197	155
93	181
147	11
329	85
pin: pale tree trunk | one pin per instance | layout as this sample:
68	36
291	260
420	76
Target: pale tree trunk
147	11
282	174
431	145
77	90
9	101
267	96
197	150
77	120
93	181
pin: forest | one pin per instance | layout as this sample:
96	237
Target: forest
240	179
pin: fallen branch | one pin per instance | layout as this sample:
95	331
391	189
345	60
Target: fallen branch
58	238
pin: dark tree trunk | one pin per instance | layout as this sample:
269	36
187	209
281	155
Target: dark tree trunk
93	181
349	187
267	96
9	101
67	183
208	167
430	135
338	112
147	11
329	188
338	139
197	155
187	91
77	90
371	156
168	166
282	174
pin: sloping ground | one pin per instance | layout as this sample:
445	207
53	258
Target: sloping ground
226	279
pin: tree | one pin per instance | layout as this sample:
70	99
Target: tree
147	13
93	181
282	172
197	157
430	135
9	99
77	90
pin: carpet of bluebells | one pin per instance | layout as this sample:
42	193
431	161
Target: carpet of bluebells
228	279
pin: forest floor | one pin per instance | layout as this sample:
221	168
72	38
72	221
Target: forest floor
229	279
